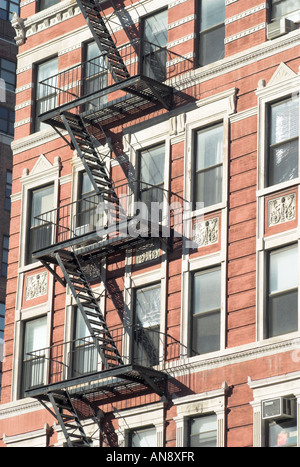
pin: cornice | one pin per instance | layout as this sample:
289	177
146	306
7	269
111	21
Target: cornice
20	407
232	356
234	62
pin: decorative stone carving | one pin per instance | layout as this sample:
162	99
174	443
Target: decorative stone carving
18	25
91	271
282	209
36	286
206	233
148	252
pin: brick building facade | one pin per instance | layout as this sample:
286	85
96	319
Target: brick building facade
8	51
184	332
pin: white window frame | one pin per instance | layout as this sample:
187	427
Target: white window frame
277	386
294	15
211	110
135	142
139	418
133	282
211	402
42	174
193	266
283	84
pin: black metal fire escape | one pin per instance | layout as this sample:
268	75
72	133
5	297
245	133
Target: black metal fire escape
143	90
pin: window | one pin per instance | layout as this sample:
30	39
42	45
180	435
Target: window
45	93
43	4
84	353
281	433
8	73
87	206
96	75
155	39
211	31
143	438
40	224
203	431
206	316
283	141
2	321
7	8
208	184
151	175
147	325
7	118
287	8
35	335
282	314
5	242
8	186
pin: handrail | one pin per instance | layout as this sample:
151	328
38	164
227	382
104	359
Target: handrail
78	357
70	85
87	215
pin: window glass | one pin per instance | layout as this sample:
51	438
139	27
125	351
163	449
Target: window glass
152	163
284	141
147	325
8	73
87	217
203	431
7	118
205	324
8	7
209	166
2	321
5	244
283	291
35	342
8	186
43	4
212	31
286	8
155	39
84	354
41	218
35	335
143	438
282	433
96	76
45	92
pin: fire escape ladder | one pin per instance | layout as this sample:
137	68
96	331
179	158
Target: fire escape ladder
102	36
68	419
89	308
94	166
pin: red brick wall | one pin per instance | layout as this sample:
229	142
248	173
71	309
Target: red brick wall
241	313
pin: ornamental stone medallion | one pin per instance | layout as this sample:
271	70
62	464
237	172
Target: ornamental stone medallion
206	233
282	209
36	286
147	252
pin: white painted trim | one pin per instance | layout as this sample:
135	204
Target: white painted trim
139	417
268	388
200	404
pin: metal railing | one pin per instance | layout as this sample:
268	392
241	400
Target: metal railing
143	210
61	362
140	57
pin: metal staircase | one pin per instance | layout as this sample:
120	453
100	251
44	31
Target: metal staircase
89	308
68	419
91	11
80	126
63	409
94	166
